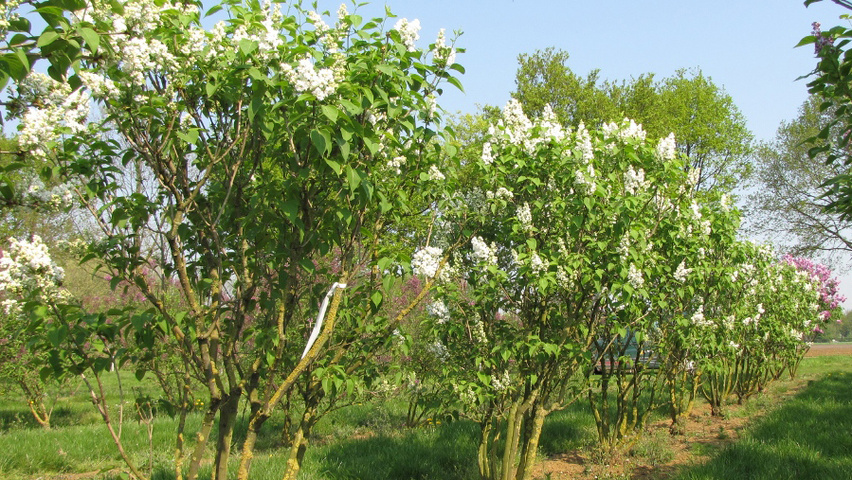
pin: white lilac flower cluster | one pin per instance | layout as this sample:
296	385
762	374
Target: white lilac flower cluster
141	56
634	180
426	261
141	52
26	269
539	266
265	34
409	32
525	217
663	203
443	55
432	106
725	202
584	180
55	109
564	278
698	318
584	143
682	272
624	247
634	277
375	118
319	24
8	13
482	252
693	176
584	177
487	155
36	194
628	130
667	148
439	310
516	125
396	164
550	126
477	331
99	86
435	174
502	193
439	350
501	383
466	395
306	78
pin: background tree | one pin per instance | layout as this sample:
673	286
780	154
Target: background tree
709	128
789	203
543	78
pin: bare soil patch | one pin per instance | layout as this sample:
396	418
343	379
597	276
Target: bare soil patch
822	349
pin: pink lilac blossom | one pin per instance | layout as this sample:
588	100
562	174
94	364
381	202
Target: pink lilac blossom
830	296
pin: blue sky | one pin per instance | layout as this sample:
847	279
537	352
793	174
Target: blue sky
745	46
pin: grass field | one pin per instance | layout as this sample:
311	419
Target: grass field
800	429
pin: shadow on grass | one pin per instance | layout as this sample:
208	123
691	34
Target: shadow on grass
808	437
567	430
20	418
445	452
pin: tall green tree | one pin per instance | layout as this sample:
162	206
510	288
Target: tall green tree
789	203
709	128
543	78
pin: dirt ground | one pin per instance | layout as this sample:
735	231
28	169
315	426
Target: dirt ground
821	349
705	435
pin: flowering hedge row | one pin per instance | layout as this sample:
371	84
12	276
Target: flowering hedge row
591	250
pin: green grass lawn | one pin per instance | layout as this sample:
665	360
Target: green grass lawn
806	436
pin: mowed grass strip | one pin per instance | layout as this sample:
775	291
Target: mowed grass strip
809	436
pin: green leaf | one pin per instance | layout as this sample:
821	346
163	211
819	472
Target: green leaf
190	137
806	41
386	69
22	56
330	112
213	10
353	178
334	165
247	46
308	265
377	298
11	64
91	38
456	83
321	141
57	335
384	263
46	38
